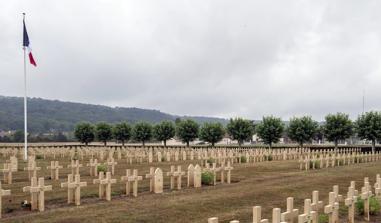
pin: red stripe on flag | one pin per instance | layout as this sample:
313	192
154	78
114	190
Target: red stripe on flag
31	59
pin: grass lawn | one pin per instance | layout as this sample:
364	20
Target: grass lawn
267	184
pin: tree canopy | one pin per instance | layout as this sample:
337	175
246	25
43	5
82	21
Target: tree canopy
164	130
187	130
212	132
103	132
122	132
302	130
368	126
270	130
240	129
84	132
142	132
337	127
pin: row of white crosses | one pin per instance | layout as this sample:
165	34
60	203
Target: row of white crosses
332	160
151	153
312	207
75	166
38	188
73	184
140	152
156	180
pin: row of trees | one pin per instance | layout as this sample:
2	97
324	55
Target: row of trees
186	130
300	129
335	128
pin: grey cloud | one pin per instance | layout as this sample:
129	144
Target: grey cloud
216	58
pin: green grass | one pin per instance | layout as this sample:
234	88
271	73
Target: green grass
267	184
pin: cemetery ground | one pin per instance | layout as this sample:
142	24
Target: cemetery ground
267	184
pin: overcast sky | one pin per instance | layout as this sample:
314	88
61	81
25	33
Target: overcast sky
198	57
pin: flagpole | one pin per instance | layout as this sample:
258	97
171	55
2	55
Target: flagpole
25	107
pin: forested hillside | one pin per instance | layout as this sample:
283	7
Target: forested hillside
53	115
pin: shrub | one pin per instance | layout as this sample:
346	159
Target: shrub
210	161
76	156
207	178
323	218
39	157
269	158
102	168
317	164
243	159
162	159
374	206
115	193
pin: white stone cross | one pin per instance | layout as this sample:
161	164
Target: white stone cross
32	169
179	174
93	164
338	197
108	182
76	185
70	190
257	215
316	204
54	170
111	165
276	216
332	209
214	170
151	176
365	195
101	190
134	178
309	216
74	166
291	214
40	191
74	188
7	171
228	168
377	187
350	202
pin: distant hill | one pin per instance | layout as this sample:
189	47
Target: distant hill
53	115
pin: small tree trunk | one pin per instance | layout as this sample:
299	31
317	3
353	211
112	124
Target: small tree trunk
86	143
301	144
336	145
104	143
165	143
373	146
122	142
187	143
212	144
143	143
271	145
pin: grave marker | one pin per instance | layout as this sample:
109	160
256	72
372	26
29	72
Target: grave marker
3	193
158	181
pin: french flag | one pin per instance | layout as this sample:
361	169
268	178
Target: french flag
27	47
